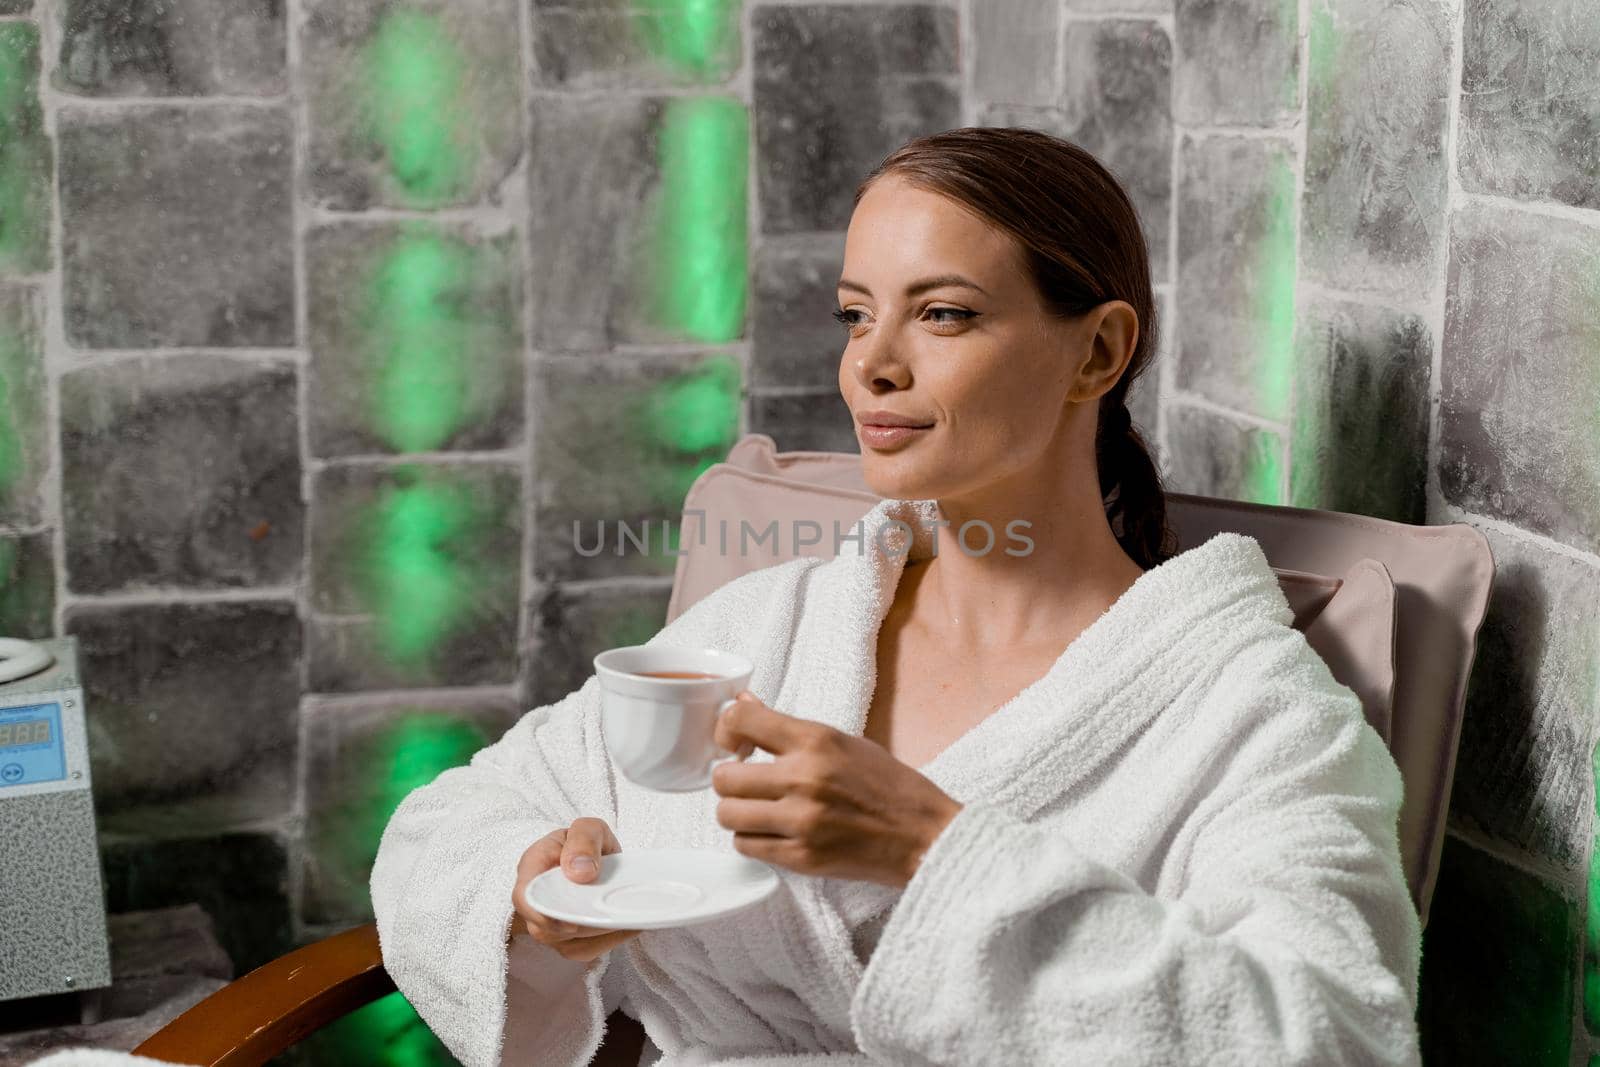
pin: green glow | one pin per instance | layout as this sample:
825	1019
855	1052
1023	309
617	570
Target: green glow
387	1031
688	423
417	340
696	411
1263	481
378	765
1322	62
406	754
697	38
1274	277
677	430
25	167
420	748
412	85
1591	995
698	286
417	586
1592	921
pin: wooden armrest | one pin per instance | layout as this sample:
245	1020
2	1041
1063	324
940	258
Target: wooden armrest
251	1020
254	1018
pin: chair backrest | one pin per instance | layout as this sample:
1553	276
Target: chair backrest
1394	609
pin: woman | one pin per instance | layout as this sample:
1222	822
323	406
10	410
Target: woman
1079	802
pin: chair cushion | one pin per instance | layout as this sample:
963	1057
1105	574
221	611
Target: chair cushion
1393	609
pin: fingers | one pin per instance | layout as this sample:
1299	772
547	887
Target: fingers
751	724
763	781
787	818
587	840
576	942
588	948
542	855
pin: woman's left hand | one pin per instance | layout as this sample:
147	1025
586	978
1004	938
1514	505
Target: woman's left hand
829	804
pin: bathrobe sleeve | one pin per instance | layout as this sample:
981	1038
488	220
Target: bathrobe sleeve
1281	930
445	870
447	862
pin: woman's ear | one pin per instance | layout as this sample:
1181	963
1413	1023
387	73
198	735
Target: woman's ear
1112	335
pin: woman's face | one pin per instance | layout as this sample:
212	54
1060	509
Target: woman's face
945	326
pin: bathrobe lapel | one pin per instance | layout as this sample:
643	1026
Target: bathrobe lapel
1169	630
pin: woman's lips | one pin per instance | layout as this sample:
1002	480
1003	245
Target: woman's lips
887	437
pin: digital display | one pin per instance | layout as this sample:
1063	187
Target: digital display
25	732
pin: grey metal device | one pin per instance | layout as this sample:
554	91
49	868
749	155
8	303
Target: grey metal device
52	906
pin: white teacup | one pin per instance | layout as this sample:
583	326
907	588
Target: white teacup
660	731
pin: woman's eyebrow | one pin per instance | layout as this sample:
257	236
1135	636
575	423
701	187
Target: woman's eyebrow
938	282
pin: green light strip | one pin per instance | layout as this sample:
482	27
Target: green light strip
700	250
695	37
413	74
701	238
1264	468
24	154
418	342
387	1031
691	420
415	340
417	585
1274	314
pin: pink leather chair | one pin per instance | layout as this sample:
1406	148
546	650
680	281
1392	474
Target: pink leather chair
1393	609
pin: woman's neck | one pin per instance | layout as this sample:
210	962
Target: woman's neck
1017	593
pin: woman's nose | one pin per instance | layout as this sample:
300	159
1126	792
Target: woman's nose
876	366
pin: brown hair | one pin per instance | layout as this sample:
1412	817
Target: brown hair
1084	247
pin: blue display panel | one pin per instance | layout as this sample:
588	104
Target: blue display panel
31	746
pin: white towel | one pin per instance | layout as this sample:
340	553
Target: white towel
95	1057
1178	846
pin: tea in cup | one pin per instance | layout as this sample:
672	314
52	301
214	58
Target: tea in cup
659	706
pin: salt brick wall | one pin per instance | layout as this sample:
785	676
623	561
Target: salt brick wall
1376	250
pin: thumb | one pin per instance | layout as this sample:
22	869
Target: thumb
580	853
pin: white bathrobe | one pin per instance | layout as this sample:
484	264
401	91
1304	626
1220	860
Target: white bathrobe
1178	846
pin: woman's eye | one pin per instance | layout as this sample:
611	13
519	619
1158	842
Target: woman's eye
943	316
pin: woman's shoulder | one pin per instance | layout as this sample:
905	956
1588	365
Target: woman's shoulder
1275	705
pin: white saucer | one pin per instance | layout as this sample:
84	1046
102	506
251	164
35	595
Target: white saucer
654	889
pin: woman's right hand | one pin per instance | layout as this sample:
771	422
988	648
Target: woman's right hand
585	840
